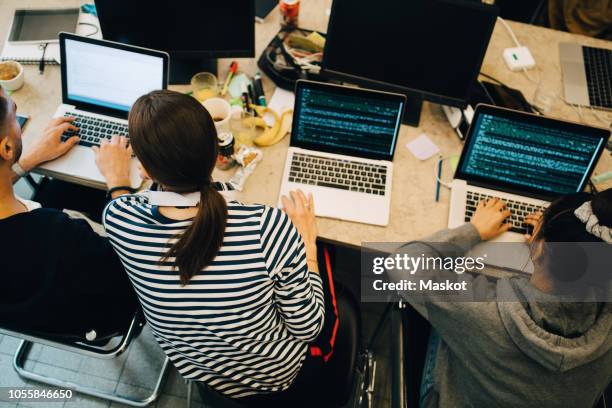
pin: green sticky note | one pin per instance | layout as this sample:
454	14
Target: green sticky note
454	161
239	83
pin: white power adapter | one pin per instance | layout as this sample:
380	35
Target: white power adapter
518	58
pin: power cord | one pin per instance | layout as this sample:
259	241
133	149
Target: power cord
438	163
91	25
576	108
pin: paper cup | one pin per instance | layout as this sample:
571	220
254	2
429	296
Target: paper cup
15	83
221	112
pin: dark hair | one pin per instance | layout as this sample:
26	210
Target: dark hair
3	114
175	139
559	224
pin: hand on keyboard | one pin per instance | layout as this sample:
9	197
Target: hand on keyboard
113	159
490	218
532	220
50	145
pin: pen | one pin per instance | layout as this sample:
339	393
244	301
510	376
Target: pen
230	74
41	64
259	92
252	96
438	179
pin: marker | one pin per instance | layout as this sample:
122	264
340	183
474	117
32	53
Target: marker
245	102
438	179
259	92
252	97
230	74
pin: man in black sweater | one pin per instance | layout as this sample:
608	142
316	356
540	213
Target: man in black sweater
58	275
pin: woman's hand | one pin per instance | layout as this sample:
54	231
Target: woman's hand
533	220
489	218
300	210
113	160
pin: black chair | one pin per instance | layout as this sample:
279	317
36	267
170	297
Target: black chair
90	344
349	374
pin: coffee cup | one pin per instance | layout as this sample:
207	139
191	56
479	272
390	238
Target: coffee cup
11	75
221	112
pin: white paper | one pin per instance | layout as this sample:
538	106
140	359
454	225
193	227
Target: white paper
281	101
422	147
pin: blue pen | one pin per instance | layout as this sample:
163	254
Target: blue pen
438	179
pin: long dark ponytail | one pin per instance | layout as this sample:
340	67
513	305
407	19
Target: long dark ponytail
175	139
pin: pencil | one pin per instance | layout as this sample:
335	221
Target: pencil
438	179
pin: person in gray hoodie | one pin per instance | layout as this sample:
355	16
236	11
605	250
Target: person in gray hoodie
534	351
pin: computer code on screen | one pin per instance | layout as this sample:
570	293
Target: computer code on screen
347	122
529	155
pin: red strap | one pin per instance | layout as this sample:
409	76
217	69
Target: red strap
332	341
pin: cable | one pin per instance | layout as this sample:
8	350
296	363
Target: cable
442	183
91	25
509	30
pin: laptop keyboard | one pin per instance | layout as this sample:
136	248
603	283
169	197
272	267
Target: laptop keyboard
518	209
338	173
93	130
598	67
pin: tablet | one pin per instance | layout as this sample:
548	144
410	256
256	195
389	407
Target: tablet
42	26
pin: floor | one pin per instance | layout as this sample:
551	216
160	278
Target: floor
134	373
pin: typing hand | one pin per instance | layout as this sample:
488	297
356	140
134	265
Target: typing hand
113	160
489	218
49	146
533	220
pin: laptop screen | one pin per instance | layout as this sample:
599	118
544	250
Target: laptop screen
529	154
349	121
104	76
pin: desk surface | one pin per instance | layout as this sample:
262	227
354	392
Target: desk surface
414	213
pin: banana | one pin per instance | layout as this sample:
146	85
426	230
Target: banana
259	122
277	132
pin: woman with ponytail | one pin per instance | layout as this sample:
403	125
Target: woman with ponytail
231	291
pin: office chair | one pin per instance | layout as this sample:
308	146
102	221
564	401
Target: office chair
90	344
349	373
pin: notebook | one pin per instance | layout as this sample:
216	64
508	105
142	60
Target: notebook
30	54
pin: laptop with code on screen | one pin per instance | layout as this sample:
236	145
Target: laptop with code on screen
100	82
524	159
342	144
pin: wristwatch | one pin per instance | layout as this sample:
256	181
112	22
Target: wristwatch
18	169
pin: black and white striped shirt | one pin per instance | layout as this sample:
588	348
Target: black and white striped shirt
243	324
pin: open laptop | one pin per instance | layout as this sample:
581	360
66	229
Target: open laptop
524	159
100	82
342	144
587	75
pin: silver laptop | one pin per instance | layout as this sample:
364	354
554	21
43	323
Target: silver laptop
526	160
342	144
587	75
100	82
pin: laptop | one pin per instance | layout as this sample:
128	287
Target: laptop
341	150
100	82
524	159
587	75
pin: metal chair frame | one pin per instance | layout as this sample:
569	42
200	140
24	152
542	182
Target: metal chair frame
103	352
